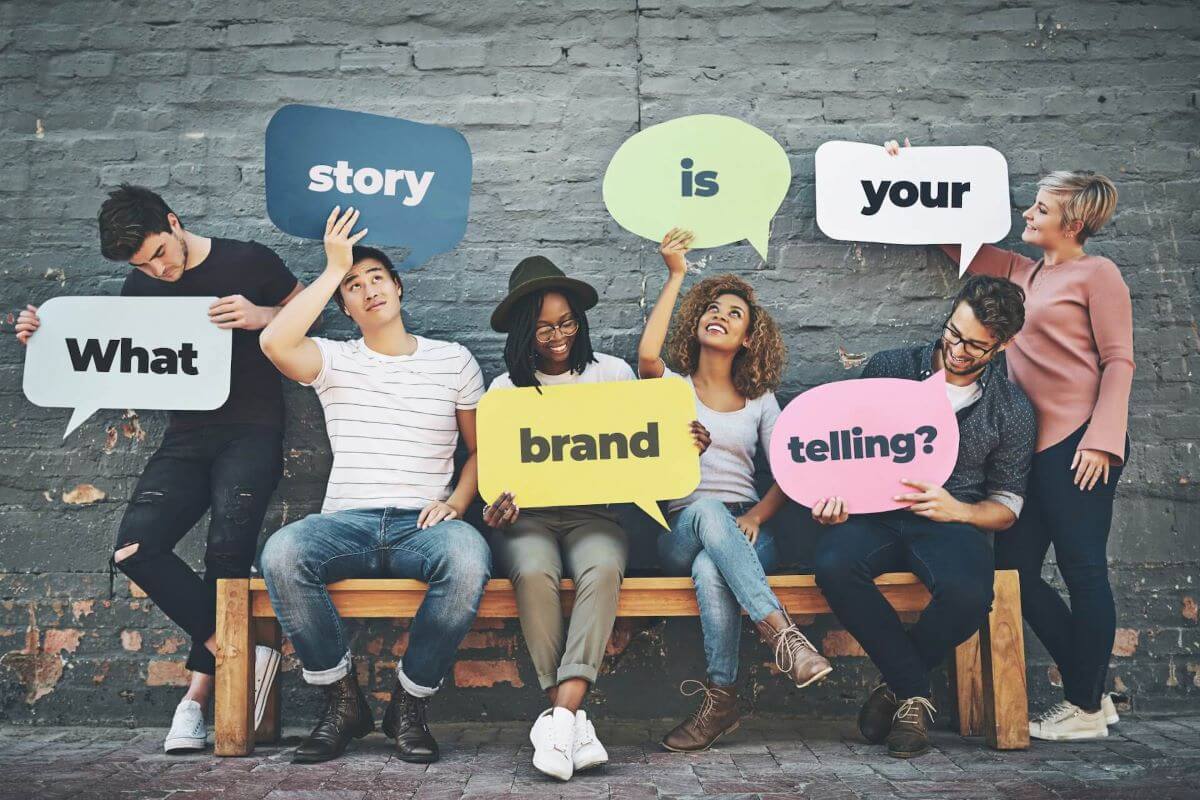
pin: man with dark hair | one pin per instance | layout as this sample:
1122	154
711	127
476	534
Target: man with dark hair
226	461
395	406
943	535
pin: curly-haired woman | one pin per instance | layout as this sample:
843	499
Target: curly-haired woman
1074	358
729	350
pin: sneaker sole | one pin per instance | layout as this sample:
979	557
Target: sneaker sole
1069	737
1113	720
184	744
730	729
263	691
545	771
590	765
814	679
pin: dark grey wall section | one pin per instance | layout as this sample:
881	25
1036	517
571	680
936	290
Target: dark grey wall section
176	96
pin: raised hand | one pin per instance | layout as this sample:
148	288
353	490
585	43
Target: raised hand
27	324
339	241
673	249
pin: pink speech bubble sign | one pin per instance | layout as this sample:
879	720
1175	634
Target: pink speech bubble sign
857	439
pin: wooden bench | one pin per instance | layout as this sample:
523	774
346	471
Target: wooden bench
987	671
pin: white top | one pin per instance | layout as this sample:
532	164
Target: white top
727	466
391	421
963	396
604	368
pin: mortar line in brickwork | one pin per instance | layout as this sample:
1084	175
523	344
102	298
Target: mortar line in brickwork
637	43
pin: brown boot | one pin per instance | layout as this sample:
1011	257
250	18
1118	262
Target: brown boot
795	655
717	715
909	736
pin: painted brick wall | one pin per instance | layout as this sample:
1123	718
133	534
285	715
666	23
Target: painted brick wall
176	95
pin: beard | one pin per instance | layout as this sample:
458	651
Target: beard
977	365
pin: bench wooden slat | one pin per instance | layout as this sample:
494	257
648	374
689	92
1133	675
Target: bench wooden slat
640	597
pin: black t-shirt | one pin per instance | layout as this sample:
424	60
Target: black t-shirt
232	267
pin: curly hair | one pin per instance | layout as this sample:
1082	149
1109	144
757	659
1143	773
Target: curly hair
758	368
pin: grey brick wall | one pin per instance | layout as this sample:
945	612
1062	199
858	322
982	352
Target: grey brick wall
176	95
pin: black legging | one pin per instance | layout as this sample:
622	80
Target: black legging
1076	522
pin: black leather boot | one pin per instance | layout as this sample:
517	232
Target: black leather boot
405	721
346	716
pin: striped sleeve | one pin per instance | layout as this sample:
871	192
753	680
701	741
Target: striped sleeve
470	381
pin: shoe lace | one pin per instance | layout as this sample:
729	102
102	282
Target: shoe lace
790	646
910	710
1055	712
707	704
414	711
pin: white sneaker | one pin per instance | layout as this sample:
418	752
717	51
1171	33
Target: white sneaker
187	734
553	738
266	667
1068	722
587	752
1110	709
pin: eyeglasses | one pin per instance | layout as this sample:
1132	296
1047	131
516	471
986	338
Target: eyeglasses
544	333
973	349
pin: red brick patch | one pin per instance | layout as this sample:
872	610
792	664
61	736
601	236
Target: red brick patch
483	674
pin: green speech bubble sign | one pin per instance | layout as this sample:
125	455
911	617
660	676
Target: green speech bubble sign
717	176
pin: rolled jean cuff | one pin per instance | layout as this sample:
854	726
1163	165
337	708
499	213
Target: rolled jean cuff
324	677
415	689
570	671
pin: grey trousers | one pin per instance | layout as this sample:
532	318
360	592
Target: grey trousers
591	545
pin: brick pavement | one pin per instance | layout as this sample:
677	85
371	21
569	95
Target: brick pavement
771	757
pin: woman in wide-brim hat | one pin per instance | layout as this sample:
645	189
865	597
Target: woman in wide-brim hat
545	317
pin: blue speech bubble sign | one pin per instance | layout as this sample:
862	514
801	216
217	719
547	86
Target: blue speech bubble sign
410	181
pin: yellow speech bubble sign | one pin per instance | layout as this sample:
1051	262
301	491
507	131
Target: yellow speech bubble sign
719	177
586	444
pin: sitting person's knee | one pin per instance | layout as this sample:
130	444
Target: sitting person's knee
966	593
831	567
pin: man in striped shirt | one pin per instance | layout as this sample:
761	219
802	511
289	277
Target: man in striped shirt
395	405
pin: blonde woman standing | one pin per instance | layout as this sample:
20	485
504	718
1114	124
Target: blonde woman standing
1074	358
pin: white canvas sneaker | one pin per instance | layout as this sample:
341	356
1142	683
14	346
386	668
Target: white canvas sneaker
553	738
187	734
266	667
1110	709
588	751
1068	722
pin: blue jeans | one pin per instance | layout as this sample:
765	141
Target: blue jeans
301	558
953	560
729	573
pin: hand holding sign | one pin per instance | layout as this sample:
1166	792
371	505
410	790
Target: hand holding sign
413	181
585	444
923	195
717	176
858	441
127	352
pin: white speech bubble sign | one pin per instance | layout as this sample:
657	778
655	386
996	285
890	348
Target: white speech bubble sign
924	195
127	352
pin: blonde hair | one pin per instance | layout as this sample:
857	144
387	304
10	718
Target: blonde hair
1090	198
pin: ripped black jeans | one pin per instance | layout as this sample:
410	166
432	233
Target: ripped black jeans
230	469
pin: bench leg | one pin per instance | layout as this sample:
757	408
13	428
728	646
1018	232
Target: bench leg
234	713
966	687
267	631
1002	640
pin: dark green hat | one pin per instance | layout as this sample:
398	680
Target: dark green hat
535	274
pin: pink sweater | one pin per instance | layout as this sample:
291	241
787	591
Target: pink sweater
1074	357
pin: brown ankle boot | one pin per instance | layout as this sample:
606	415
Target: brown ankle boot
795	655
717	715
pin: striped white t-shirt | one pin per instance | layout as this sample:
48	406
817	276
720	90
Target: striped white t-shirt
391	421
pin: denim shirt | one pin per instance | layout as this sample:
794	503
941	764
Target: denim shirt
996	433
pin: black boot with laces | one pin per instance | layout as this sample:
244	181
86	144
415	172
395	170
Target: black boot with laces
405	721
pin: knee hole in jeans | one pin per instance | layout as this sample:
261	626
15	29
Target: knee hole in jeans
125	552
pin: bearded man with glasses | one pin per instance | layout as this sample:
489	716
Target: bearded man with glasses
944	534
